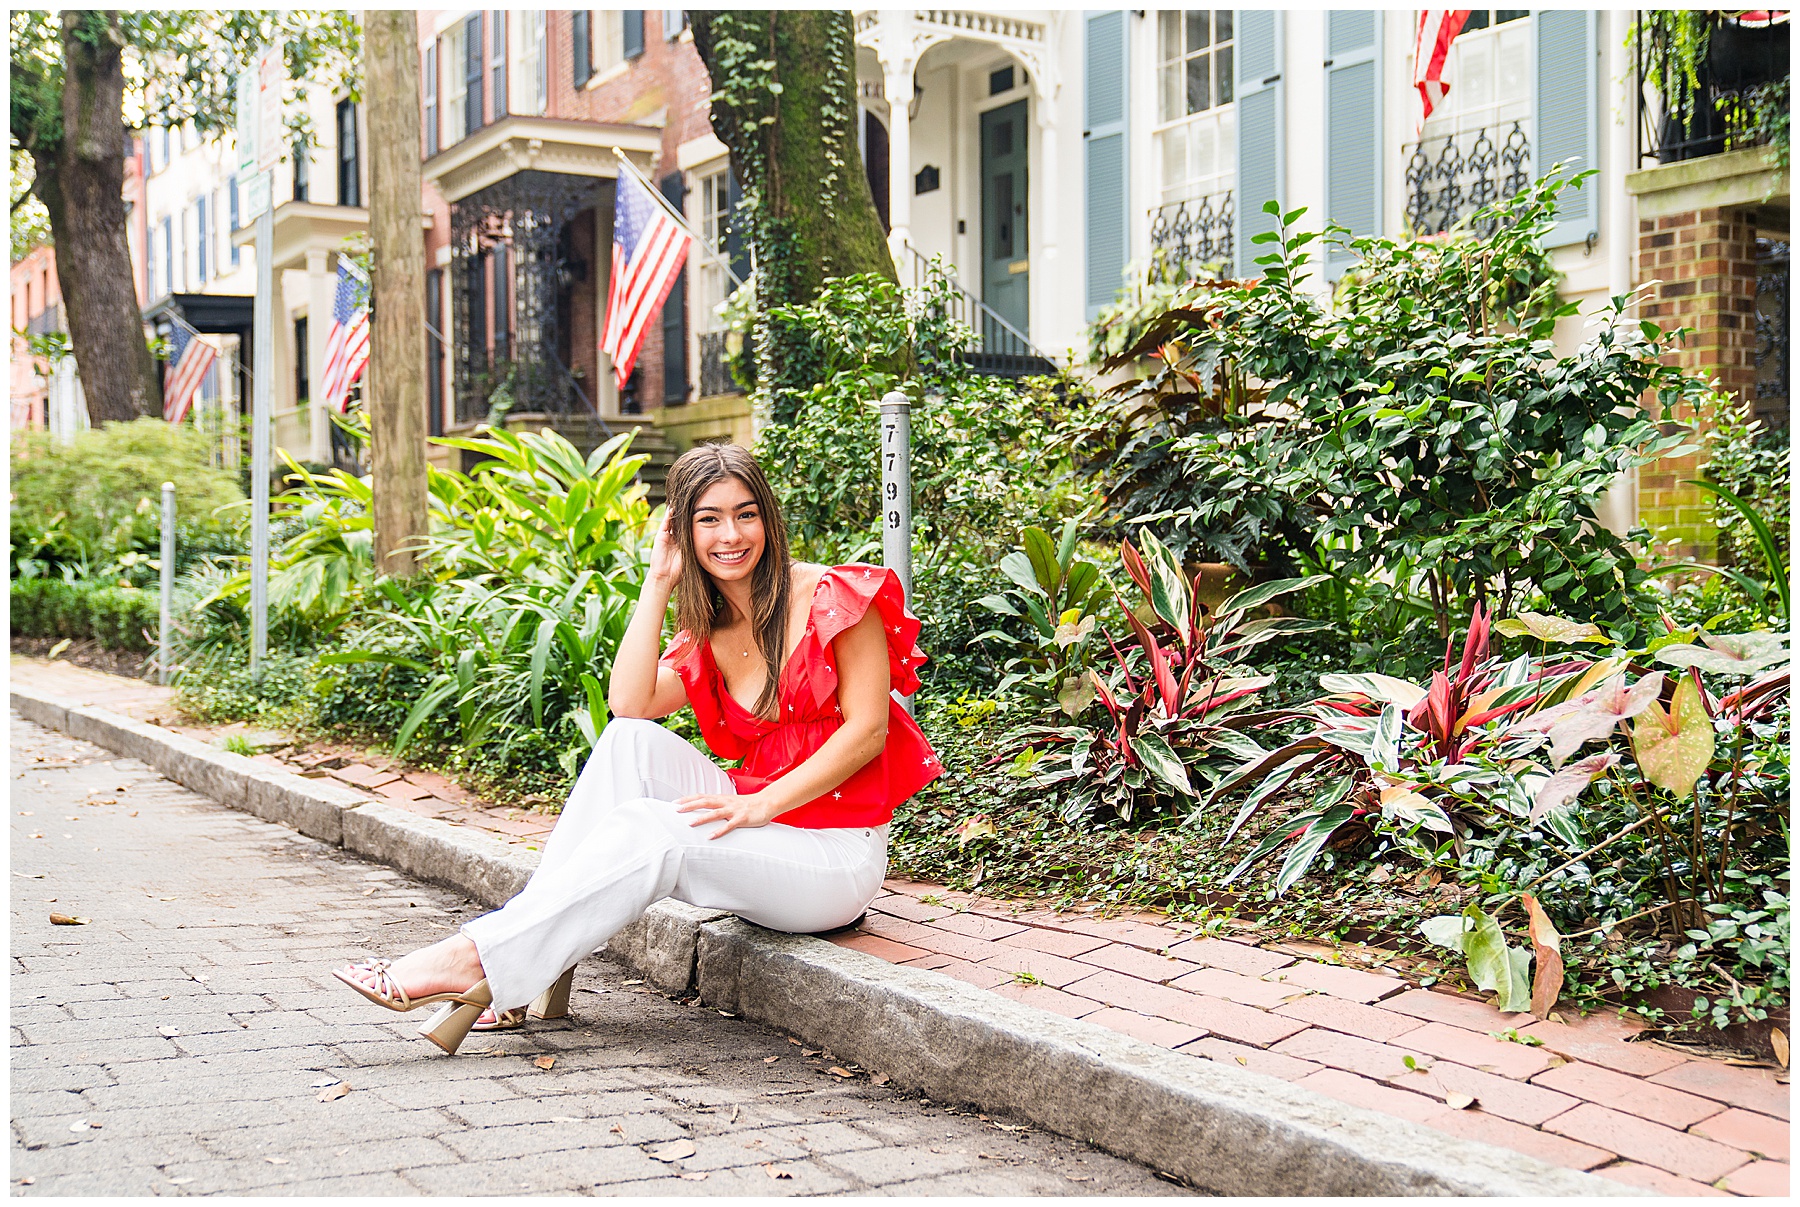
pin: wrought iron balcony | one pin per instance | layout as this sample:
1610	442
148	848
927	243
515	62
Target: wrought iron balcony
1733	99
1191	237
1451	176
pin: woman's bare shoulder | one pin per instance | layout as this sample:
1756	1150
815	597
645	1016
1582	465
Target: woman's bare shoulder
805	577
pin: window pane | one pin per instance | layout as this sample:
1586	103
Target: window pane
1197	31
1169	34
1222	25
1222	61
1171	92
1174	160
1199	76
1478	19
1503	15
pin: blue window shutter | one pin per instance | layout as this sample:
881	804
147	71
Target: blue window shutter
1567	107
1261	140
674	313
1104	158
472	63
634	32
1352	128
581	37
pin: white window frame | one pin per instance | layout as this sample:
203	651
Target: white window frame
607	29
528	72
453	86
1463	110
710	191
1217	121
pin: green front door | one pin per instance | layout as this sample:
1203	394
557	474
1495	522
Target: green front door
1005	268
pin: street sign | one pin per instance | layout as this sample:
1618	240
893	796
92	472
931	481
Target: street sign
247	89
255	196
271	76
896	493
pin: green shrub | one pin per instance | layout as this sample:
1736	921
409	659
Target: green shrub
118	618
227	692
88	504
984	461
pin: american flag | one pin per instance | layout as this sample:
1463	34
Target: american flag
648	250
347	346
1437	29
187	369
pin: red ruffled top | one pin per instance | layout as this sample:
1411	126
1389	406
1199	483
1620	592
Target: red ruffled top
807	697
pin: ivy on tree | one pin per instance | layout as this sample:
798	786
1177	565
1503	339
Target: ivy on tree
784	102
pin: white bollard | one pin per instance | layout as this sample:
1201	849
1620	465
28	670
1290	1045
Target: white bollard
164	646
896	492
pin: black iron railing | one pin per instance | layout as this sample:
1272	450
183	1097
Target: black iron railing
715	365
1730	97
1451	176
1193	237
1000	348
1771	354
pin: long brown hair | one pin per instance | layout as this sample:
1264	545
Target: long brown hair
699	605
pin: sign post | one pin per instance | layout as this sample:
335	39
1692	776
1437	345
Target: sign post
896	492
259	149
163	644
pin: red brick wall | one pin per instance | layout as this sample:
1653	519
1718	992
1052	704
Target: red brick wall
1706	263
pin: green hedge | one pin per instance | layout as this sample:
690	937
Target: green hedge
117	617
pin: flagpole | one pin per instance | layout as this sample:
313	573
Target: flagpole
656	195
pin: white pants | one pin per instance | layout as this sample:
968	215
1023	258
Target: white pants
620	845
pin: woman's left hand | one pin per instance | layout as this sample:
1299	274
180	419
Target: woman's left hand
735	811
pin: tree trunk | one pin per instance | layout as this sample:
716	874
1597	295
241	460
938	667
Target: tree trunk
396	393
81	182
808	213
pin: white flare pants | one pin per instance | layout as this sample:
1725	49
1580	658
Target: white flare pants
620	846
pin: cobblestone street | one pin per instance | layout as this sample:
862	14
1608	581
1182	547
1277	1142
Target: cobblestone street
186	1039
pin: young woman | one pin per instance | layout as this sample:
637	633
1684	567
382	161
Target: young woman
788	667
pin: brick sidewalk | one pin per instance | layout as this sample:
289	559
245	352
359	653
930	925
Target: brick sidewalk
1573	1091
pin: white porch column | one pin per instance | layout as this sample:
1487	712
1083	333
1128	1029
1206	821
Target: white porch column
897	82
1043	226
319	297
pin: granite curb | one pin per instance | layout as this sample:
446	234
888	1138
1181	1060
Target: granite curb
1221	1128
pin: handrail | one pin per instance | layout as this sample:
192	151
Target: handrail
989	318
582	394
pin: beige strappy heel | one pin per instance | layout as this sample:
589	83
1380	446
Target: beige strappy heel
552	1003
386	991
450	1025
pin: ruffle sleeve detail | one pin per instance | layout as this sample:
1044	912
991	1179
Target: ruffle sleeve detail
845	595
681	650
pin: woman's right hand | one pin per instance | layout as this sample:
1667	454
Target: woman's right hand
665	556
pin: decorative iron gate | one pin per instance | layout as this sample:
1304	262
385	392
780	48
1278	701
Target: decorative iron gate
511	277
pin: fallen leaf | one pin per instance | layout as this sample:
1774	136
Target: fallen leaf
1009	1127
634	982
1554	1061
545	1062
617	1127
333	1093
1779	1041
277	1160
811	1051
1547	980
168	1032
1078	1177
1242	1060
726	1014
699	1176
367	891
1459	1102
978	826
30	875
879	1079
836	1071
674	1150
179	1181
81	1125
66	920
769	1060
776	1173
